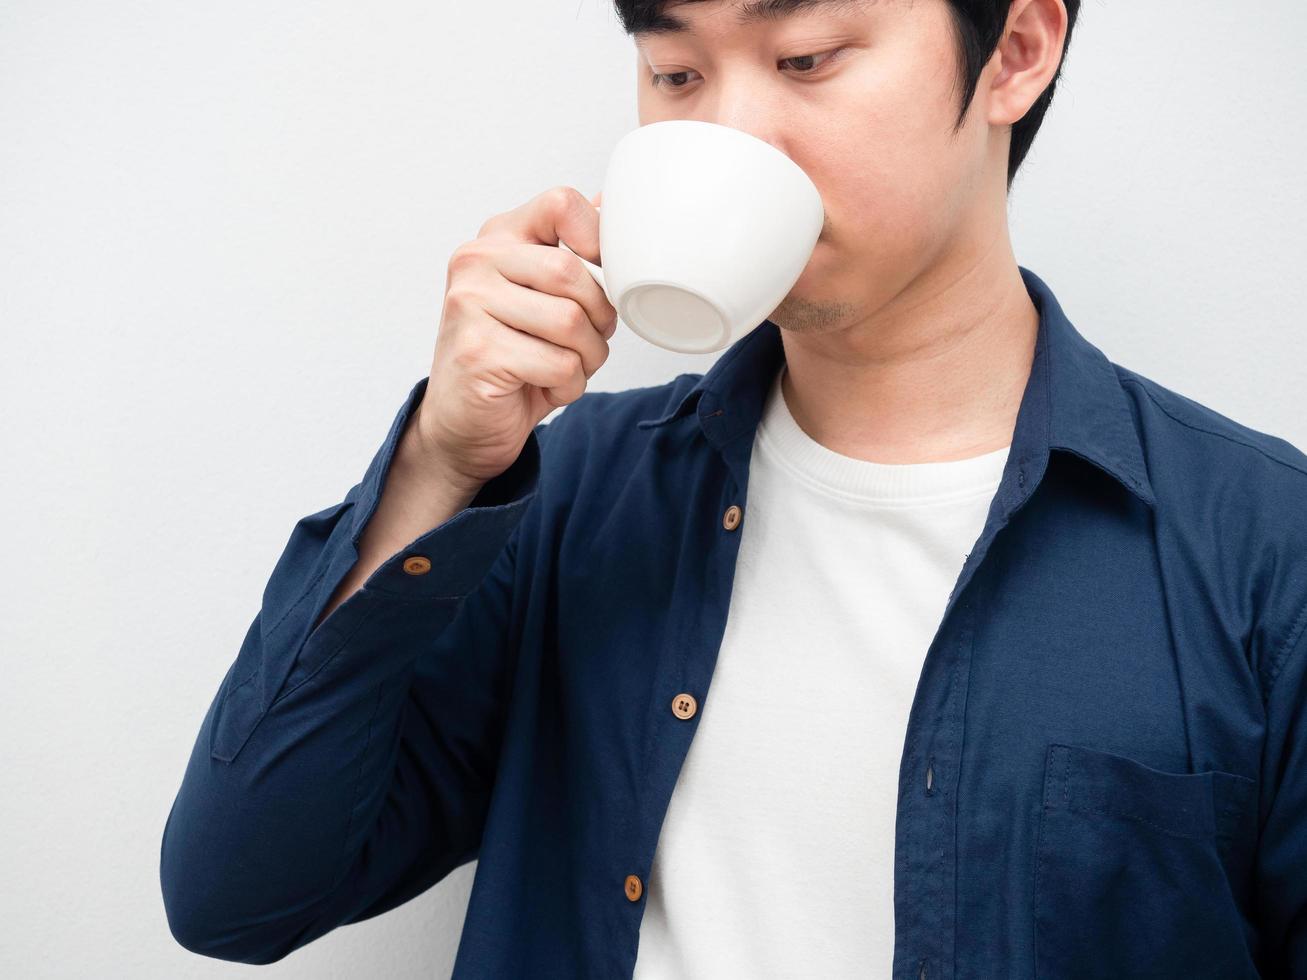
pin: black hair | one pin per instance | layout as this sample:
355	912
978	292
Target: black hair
978	27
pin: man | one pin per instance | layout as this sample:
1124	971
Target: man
998	649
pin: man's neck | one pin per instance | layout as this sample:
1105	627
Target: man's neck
936	375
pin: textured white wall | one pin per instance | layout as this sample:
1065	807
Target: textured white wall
223	233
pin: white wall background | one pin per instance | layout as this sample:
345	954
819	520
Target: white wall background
223	234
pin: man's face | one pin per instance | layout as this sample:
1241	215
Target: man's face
862	98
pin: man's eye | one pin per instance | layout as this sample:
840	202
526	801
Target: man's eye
665	80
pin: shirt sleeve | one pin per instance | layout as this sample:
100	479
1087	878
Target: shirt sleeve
339	771
1281	862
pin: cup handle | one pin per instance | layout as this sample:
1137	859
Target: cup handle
595	271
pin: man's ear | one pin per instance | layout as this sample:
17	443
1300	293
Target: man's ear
1027	56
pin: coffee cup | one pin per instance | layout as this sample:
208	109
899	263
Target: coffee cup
703	231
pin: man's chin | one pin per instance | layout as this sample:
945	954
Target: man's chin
810	312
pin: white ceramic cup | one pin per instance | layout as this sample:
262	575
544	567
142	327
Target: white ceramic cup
704	229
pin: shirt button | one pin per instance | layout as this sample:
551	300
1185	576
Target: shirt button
684	706
634	888
417	565
731	519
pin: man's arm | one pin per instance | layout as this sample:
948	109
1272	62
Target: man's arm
1281	862
345	762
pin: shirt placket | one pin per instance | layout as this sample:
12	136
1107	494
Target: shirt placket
925	844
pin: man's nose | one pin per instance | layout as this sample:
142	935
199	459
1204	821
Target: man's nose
747	120
741	103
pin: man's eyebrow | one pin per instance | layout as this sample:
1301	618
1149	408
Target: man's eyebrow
752	12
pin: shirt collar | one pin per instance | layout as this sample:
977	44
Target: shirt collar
1073	400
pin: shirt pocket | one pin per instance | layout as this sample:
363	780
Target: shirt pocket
1129	872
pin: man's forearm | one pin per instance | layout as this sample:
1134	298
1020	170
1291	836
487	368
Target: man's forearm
417	497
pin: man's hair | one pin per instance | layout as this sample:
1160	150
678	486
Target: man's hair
978	27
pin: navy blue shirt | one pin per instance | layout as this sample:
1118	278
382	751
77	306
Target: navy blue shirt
1103	774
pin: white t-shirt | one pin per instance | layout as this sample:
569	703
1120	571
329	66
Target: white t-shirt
776	857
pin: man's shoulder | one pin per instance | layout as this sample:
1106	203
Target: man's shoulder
1234	498
590	442
1180	433
611	416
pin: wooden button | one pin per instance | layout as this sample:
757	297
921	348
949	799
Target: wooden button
634	887
731	519
417	565
684	706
